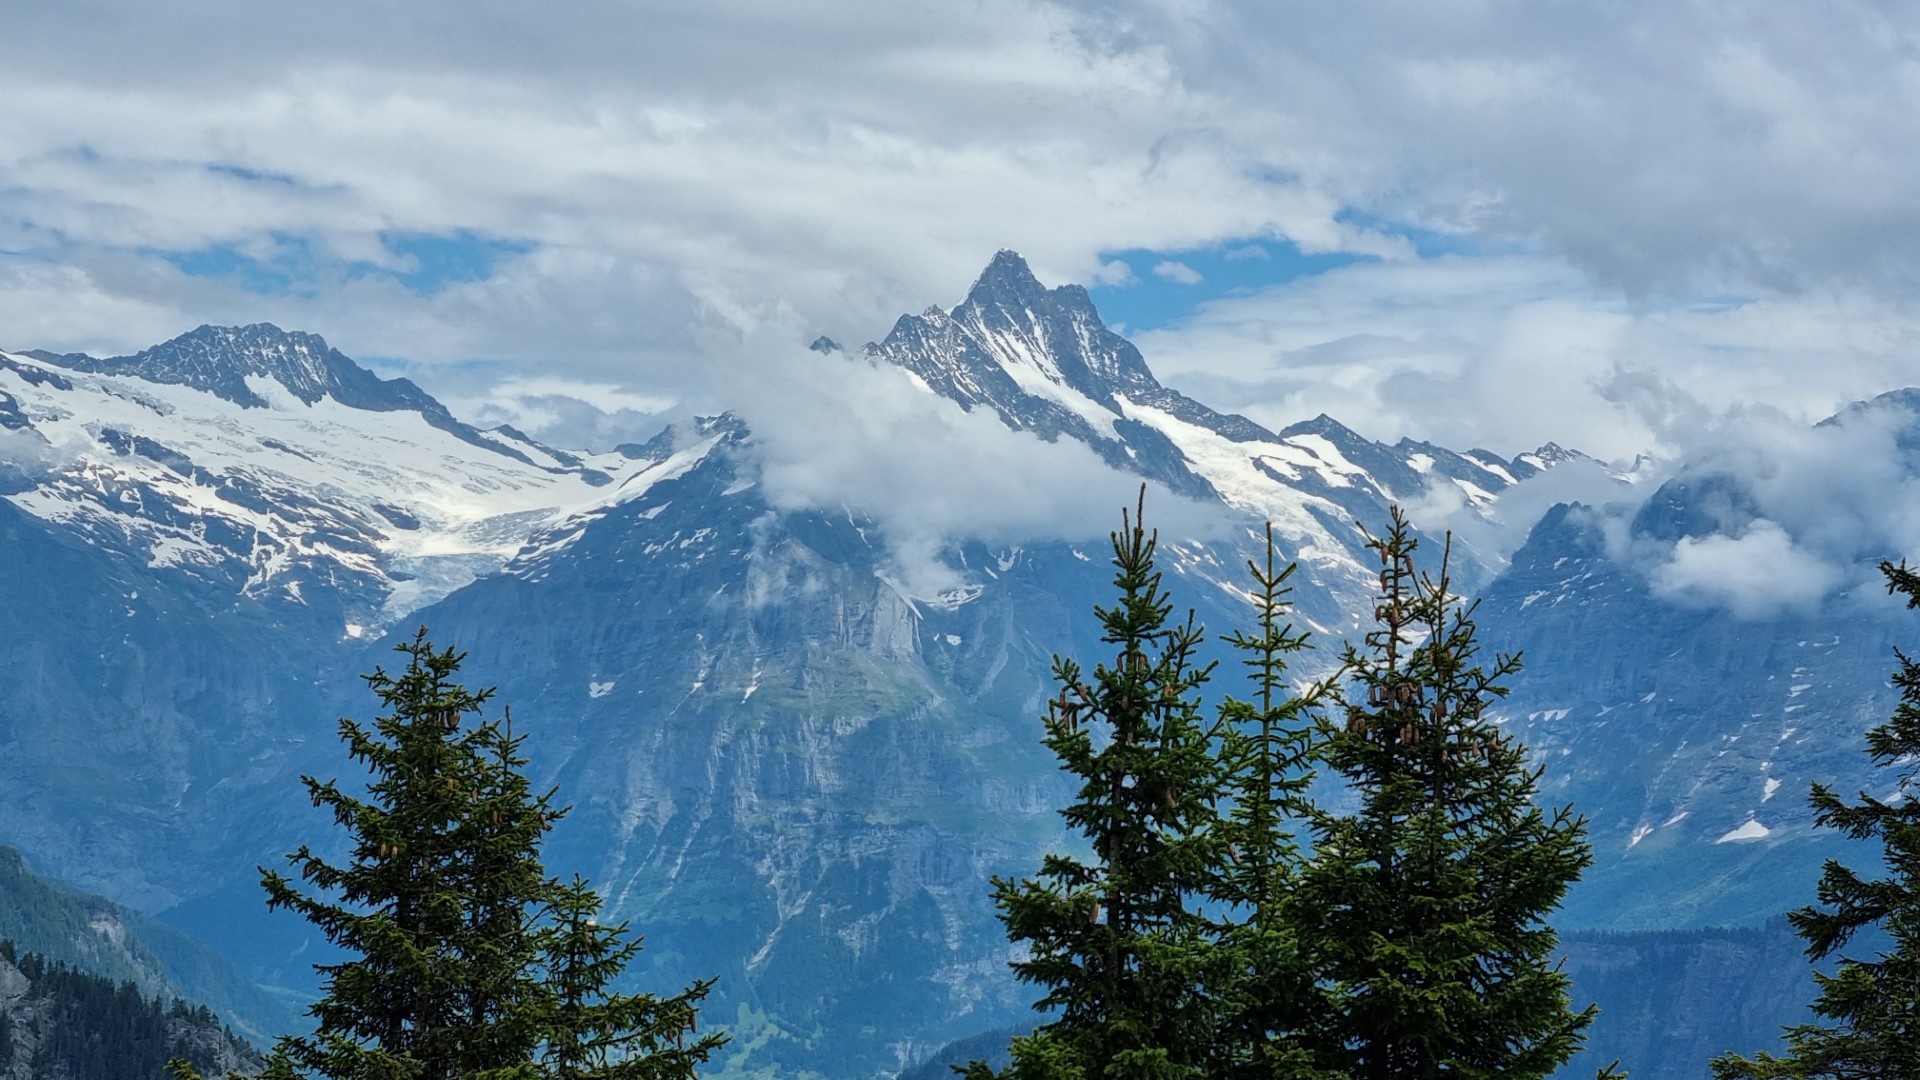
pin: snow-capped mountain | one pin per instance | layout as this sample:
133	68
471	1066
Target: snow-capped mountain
269	462
1044	362
789	771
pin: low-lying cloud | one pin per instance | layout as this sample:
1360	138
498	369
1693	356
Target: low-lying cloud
1764	514
840	432
1758	573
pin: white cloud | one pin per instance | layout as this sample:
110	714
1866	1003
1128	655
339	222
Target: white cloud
838	432
1513	351
1759	573
565	412
857	161
1766	514
1114	272
26	451
1177	272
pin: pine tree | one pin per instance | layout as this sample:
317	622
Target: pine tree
1424	910
1874	1005
594	1033
468	961
433	899
1116	940
1266	747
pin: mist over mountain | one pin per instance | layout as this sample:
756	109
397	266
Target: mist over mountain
789	661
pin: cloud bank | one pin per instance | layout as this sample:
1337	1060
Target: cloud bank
842	434
1766	515
1586	182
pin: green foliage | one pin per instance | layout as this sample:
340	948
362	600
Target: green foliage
468	961
593	1033
57	922
1410	943
1425	908
1116	941
1266	747
81	1024
1874	1005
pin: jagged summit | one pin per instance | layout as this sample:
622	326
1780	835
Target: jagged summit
1044	362
1007	276
221	359
1013	338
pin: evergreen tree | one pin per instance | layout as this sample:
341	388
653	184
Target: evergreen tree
1116	939
433	900
1424	910
1266	745
468	961
593	1033
1874	1005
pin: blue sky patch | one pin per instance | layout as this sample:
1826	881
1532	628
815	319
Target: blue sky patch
439	259
287	264
1169	286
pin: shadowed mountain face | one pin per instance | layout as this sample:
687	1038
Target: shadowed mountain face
1690	735
225	361
788	770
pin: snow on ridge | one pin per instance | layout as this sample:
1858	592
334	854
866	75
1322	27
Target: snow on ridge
381	495
1033	369
570	526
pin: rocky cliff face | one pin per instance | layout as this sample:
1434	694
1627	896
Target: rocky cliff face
788	772
1671	1001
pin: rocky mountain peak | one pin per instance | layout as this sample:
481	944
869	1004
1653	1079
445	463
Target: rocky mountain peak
1007	277
1013	340
221	359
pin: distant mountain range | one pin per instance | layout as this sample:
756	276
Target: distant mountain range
791	771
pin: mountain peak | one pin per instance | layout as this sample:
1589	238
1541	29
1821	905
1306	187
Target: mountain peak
1007	281
220	359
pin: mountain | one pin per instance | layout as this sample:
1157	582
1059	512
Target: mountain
264	462
101	938
1688	733
1042	360
61	1023
797	775
790	770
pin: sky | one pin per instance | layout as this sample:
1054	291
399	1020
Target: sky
1480	222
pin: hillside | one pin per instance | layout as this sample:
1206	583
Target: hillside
97	937
60	1023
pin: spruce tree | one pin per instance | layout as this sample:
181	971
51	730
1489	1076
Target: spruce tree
1266	745
1873	1005
1424	910
467	961
594	1033
1116	939
433	900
